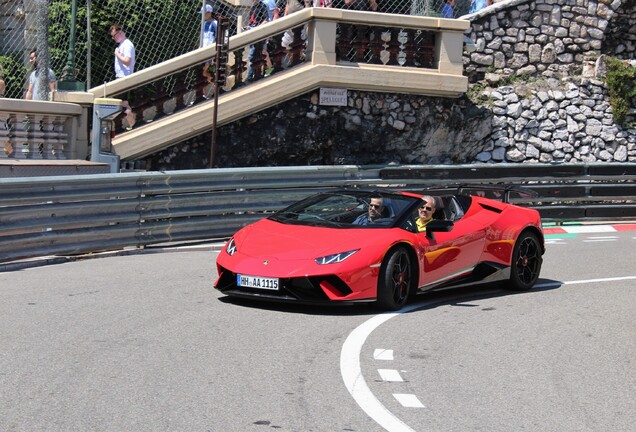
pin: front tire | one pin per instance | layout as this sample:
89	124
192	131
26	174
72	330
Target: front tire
526	262
394	281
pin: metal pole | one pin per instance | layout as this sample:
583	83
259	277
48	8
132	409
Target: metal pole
217	64
42	47
202	22
69	81
88	44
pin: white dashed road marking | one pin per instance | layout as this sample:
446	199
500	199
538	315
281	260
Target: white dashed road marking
408	400
390	375
351	371
383	354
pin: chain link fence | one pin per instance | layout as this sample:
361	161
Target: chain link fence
159	29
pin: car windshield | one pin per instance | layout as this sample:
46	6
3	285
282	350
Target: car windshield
350	209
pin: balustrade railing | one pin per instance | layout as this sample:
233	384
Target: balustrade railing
37	130
391	46
314	35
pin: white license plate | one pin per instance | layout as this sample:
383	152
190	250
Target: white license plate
257	282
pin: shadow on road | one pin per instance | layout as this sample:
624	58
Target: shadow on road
455	297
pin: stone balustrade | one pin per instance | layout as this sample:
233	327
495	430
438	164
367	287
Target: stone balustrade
316	37
38	130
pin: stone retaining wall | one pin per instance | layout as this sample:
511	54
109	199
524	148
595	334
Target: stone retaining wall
538	95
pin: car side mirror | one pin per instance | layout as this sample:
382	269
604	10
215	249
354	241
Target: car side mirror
438	226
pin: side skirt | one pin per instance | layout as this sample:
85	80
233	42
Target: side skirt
486	272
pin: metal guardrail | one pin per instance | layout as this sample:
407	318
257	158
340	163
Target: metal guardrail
89	213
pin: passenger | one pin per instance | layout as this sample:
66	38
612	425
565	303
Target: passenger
425	213
376	207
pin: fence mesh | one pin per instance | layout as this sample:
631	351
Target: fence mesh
159	29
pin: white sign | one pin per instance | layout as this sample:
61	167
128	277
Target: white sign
333	96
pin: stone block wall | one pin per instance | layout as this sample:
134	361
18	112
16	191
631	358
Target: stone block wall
539	67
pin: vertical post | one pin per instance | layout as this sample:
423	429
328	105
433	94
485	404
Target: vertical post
42	39
88	44
220	74
69	81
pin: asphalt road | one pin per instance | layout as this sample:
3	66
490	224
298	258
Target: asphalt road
142	343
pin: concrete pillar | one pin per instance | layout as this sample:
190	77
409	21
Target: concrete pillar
321	42
448	52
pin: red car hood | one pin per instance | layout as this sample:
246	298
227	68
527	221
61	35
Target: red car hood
267	238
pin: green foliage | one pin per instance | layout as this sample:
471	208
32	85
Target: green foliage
621	82
145	23
13	73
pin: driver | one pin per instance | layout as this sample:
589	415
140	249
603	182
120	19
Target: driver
376	207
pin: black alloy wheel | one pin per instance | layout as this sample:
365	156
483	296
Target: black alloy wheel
394	281
526	262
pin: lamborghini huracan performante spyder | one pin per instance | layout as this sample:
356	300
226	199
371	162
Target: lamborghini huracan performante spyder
326	248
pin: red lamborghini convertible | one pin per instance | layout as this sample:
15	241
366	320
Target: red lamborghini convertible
351	246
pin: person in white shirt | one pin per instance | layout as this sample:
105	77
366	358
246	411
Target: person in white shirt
124	64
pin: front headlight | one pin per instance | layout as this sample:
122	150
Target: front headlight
230	247
336	258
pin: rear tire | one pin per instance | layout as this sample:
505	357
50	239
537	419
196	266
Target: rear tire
526	262
394	281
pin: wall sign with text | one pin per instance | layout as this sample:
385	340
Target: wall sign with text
333	96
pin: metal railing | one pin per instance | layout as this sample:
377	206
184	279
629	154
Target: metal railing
90	213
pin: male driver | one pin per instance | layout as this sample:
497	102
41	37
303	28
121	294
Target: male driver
425	213
376	207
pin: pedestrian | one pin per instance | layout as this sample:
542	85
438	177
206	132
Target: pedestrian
258	15
361	5
124	64
34	89
477	5
273	13
208	38
447	9
3	86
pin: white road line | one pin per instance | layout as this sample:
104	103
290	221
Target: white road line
589	229
382	354
408	400
599	240
351	371
555	241
390	375
603	237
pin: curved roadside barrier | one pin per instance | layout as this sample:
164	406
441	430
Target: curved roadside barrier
42	216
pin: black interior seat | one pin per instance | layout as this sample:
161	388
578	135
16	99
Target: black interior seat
439	208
